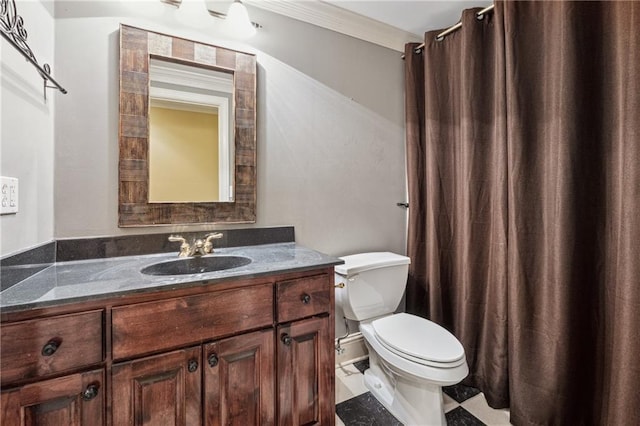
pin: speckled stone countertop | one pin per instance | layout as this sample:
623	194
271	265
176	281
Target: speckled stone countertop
74	281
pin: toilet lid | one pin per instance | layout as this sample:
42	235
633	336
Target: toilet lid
358	263
419	339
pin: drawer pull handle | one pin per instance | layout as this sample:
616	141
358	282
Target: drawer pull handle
90	392
192	366
286	339
51	347
213	360
306	299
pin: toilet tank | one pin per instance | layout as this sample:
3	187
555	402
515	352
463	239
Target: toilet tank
373	284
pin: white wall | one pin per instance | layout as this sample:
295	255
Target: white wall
330	128
26	132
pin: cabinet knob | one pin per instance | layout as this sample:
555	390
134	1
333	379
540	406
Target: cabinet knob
90	392
51	347
306	299
286	339
213	360
192	366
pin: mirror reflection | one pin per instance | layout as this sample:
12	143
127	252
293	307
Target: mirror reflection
191	156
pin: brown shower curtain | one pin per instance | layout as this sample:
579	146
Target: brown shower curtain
524	222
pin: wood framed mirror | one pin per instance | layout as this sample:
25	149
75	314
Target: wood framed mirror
233	197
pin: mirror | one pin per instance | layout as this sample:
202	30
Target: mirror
190	129
187	131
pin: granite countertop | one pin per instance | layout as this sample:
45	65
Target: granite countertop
74	281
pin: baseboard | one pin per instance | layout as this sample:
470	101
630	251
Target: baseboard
354	350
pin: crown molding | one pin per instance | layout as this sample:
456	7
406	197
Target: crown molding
343	21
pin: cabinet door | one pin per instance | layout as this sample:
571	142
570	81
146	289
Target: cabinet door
305	373
77	399
158	390
239	380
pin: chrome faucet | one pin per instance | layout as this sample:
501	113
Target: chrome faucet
199	247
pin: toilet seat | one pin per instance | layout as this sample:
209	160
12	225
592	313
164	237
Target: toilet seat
419	340
402	365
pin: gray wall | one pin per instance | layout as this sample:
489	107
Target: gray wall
26	133
330	128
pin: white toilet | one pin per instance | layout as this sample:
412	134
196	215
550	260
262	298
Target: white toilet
410	357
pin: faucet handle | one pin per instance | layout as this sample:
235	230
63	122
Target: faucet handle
208	244
184	246
213	236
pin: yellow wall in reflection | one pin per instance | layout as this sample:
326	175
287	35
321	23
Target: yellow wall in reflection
183	156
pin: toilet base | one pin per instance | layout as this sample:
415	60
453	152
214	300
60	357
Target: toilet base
412	401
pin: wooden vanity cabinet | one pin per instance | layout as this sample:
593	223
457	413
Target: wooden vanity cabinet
305	359
76	399
51	370
227	382
48	346
305	373
227	375
158	390
246	352
239	381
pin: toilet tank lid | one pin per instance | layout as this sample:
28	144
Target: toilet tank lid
356	263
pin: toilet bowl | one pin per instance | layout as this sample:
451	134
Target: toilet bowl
410	387
410	358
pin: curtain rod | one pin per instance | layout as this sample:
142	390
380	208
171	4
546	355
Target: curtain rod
453	28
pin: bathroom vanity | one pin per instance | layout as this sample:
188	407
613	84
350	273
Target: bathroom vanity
251	345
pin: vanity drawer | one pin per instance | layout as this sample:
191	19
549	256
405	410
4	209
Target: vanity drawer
46	346
173	323
303	297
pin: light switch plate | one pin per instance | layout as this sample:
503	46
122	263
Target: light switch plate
9	194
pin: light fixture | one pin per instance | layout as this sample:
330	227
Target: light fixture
236	21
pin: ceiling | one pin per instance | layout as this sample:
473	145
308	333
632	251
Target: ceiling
415	17
388	23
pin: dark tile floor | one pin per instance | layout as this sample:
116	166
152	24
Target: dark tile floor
365	410
362	409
